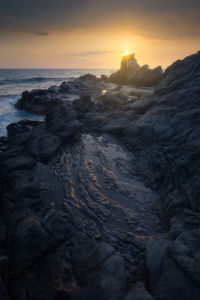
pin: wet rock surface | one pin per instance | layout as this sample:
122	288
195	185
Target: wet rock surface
101	199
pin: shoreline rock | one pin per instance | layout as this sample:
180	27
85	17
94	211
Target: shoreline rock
101	199
131	73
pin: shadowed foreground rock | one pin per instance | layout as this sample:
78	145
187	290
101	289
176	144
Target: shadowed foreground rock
101	200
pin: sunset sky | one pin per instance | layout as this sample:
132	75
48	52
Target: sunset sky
95	34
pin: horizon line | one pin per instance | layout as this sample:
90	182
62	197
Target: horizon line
40	68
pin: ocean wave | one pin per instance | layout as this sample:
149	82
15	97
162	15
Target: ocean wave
32	80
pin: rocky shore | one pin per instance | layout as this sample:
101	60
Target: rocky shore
101	199
131	73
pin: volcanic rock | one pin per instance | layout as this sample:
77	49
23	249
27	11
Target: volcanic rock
131	73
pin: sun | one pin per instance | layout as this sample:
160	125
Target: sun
126	53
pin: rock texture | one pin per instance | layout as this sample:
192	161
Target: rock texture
40	101
131	73
101	199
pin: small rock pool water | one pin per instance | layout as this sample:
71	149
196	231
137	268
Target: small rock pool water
97	178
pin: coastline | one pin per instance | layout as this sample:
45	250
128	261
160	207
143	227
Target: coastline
15	81
101	198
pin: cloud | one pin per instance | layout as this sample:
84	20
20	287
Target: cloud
89	53
33	32
40	33
161	18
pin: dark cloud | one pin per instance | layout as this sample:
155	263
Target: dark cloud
36	32
155	18
40	33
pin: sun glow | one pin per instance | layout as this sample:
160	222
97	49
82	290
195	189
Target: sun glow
126	53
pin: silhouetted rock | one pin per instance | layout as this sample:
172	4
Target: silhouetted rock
104	77
183	74
36	101
131	73
88	77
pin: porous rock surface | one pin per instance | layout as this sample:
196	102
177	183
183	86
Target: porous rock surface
101	200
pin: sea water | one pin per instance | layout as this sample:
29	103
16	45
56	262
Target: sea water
14	81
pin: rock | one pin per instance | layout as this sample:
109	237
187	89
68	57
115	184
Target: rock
131	73
88	77
185	251
166	277
181	75
88	256
54	89
129	66
21	133
138	292
36	101
84	104
117	207
42	144
17	128
57	225
61	121
3	234
3	291
3	144
64	87
104	77
113	100
13	160
109	280
148	77
29	243
34	239
23	183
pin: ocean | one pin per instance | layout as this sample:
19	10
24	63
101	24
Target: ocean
14	81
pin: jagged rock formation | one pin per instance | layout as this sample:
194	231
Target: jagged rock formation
101	200
131	73
40	101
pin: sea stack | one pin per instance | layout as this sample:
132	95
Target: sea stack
131	73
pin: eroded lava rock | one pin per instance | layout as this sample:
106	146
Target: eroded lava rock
101	200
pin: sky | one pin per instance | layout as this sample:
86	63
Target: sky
96	33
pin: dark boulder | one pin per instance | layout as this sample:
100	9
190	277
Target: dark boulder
84	104
61	121
34	238
42	144
138	292
99	270
167	279
14	160
36	101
